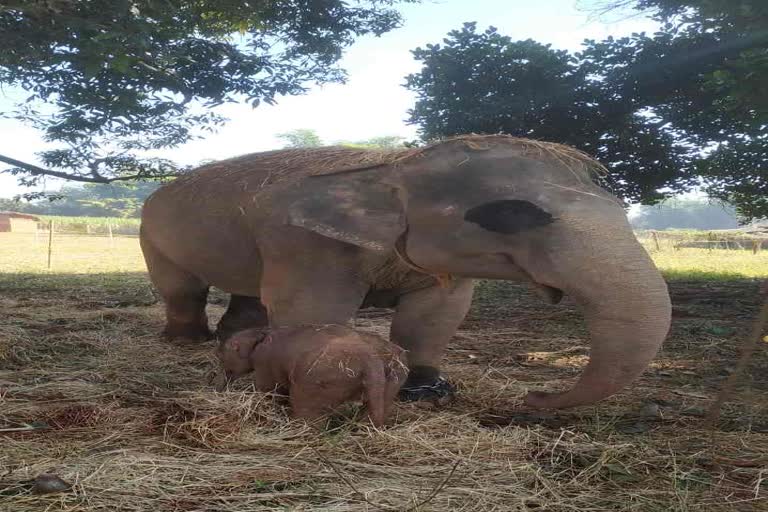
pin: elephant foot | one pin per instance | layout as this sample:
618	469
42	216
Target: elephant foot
242	313
424	383
187	335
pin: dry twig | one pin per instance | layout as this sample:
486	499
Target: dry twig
747	351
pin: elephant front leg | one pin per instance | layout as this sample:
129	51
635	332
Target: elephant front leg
424	322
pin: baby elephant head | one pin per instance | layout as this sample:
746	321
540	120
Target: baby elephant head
235	354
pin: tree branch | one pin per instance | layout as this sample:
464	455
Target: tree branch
749	347
95	178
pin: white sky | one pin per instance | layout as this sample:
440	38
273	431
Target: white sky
373	102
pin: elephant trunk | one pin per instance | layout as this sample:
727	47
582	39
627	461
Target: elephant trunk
627	308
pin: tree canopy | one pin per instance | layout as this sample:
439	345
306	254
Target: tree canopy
685	106
300	138
109	79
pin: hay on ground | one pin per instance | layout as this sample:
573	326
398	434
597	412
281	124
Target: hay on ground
91	395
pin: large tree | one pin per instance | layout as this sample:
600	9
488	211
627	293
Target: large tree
109	79
662	111
704	74
484	82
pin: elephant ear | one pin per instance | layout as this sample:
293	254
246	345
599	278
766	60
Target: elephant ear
244	342
355	208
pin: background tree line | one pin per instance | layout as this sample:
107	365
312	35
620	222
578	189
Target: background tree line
89	200
686	214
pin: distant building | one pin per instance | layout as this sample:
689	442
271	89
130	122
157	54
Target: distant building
18	222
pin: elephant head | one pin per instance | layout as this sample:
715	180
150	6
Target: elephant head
498	207
235	355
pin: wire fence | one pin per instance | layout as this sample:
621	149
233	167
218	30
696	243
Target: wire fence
90	226
62	234
54	243
710	240
70	247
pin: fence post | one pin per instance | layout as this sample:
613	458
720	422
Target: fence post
50	242
756	246
656	240
111	240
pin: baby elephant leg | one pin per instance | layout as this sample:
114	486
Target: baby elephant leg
397	373
315	398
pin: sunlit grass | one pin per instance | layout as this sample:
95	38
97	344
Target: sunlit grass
715	264
134	423
28	253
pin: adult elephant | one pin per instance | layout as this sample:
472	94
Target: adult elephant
308	236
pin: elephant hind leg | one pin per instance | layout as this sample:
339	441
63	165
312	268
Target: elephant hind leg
320	393
185	296
242	313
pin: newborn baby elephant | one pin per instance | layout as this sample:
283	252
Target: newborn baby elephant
320	367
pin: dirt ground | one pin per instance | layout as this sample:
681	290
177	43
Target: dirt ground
89	393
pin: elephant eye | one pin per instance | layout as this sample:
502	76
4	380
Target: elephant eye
508	216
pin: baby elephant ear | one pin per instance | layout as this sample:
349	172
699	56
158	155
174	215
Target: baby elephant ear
244	342
351	207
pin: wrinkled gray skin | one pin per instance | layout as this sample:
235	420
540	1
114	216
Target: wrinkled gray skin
319	367
312	250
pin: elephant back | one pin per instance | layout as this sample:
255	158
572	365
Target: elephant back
290	165
258	171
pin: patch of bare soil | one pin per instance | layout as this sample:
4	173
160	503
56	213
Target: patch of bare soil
90	394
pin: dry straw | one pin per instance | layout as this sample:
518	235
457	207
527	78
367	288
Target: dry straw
132	423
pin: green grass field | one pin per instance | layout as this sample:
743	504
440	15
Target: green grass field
22	252
90	392
80	254
716	264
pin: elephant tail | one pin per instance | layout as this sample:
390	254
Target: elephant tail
375	390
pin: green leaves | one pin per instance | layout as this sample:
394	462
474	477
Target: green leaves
685	106
488	83
130	75
122	63
300	138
